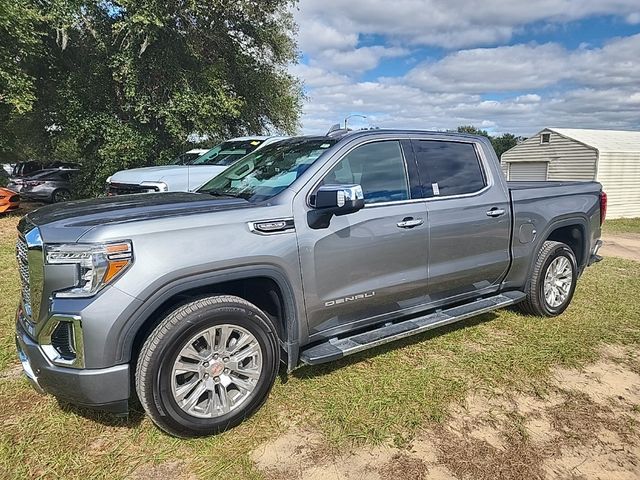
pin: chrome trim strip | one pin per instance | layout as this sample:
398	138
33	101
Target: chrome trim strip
44	339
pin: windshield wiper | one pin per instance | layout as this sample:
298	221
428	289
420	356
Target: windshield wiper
215	193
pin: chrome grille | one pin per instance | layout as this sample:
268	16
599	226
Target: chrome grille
128	188
23	268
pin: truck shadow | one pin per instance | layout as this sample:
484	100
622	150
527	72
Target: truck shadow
132	420
319	370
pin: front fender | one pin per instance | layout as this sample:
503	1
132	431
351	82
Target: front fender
126	328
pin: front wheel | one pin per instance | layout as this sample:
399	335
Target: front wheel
553	281
207	366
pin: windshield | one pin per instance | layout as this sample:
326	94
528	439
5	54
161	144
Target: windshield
186	158
267	172
227	152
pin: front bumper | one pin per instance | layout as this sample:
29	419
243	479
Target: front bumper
103	388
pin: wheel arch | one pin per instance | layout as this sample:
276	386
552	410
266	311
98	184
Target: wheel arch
267	287
569	230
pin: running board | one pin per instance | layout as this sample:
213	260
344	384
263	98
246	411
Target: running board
340	347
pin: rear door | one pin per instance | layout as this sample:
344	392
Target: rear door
469	218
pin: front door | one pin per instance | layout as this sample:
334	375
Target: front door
469	219
371	264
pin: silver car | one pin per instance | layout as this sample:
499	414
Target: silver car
52	185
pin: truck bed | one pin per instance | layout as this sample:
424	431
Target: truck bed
540	207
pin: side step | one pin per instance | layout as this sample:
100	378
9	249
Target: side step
340	347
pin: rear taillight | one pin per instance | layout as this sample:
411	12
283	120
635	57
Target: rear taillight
603	207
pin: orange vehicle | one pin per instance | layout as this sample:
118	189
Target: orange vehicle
9	200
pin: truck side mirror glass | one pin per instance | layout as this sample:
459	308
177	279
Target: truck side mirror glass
336	200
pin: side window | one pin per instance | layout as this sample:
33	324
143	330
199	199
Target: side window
448	168
378	167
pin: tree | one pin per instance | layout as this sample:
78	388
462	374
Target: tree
504	142
500	144
123	84
470	129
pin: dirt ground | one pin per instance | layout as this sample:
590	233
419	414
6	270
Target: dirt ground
584	425
624	245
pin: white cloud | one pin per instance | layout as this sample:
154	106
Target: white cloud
525	67
357	60
452	23
633	18
481	70
536	84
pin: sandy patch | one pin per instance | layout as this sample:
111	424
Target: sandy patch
624	245
602	382
164	471
583	426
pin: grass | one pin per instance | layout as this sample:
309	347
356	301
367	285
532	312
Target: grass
622	225
386	394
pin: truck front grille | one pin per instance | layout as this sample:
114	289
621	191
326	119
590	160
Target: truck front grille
31	269
128	188
23	268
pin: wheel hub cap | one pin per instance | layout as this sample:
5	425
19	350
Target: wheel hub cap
558	281
216	371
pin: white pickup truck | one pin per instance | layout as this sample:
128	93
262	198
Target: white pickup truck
185	175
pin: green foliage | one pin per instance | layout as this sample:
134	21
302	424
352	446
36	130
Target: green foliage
504	142
500	144
123	84
19	40
473	130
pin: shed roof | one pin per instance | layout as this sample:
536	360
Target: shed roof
603	140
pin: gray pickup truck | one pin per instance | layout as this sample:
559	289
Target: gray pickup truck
303	252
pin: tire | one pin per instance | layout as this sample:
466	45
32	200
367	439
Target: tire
60	195
160	386
536	302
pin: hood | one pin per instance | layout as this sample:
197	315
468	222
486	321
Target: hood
7	192
177	177
67	222
145	174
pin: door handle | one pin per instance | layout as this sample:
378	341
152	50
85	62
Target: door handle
495	212
410	222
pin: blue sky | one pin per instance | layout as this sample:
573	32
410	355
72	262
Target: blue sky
500	65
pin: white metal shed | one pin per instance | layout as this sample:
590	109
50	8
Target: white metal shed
611	157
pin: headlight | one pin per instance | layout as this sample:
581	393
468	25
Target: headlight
98	264
155	186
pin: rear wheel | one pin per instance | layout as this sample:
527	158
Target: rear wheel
553	281
209	365
60	195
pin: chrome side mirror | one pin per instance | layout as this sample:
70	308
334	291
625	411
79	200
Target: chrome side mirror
336	200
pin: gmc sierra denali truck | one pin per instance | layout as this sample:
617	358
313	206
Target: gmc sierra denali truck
302	252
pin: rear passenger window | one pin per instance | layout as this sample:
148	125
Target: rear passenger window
378	167
448	168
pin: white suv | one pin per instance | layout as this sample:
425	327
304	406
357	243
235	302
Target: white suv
189	171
